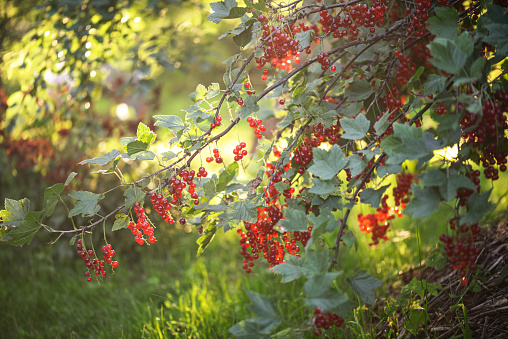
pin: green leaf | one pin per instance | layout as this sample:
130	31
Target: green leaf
261	305
136	147
290	270
363	283
444	23
436	260
319	293
434	84
327	163
51	197
226	176
168	155
296	220
433	177
230	62
205	239
424	203
373	197
478	205
133	194
121	221
15	211
253	328
225	10
242	210
417	317
243	39
322	187
447	56
316	261
147	137
142	128
382	124
86	203
210	187
358	90
260	5
406	143
24	232
498	37
249	107
449	188
305	38
69	178
355	129
420	288
356	164
389	169
172	122
102	160
350	110
476	71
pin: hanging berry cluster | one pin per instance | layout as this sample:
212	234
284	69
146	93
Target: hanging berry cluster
330	134
325	321
94	265
216	123
239	151
257	126
261	237
162	206
487	134
142	227
357	16
217	158
378	223
464	193
460	248
281	47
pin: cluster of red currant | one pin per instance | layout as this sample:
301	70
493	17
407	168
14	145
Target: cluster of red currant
261	237
419	17
402	191
330	134
378	223
405	70
421	53
464	193
162	206
441	109
257	126
303	155
322	58
265	75
217	158
107	253
96	266
460	249
487	134
239	151
281	46
249	91
142	227
359	15
325	320
216	123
